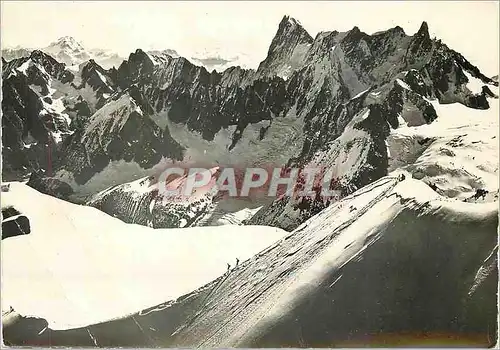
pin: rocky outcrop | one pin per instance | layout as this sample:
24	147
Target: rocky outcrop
50	186
14	223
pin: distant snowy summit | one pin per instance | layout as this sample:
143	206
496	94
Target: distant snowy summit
220	59
71	52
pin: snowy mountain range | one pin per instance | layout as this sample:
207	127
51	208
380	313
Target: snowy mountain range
408	126
339	94
71	52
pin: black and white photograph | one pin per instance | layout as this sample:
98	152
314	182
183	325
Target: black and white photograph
253	174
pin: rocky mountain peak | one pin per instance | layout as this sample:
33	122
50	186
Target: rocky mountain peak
139	64
355	35
69	51
396	31
50	65
40	55
289	22
139	56
287	49
423	32
168	52
355	30
290	31
89	68
421	44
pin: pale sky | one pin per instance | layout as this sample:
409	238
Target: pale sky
231	28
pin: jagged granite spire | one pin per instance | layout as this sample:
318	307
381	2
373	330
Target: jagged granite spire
290	40
290	33
421	44
423	32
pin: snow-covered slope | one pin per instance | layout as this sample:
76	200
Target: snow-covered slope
393	263
106	58
391	258
458	153
79	266
141	202
68	51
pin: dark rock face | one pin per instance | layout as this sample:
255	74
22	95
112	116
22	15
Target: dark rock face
421	44
33	123
50	186
20	330
124	131
486	91
14	223
381	114
15	227
25	136
9	212
290	40
139	66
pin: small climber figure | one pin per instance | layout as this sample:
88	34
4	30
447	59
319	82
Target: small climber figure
228	267
401	177
237	261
